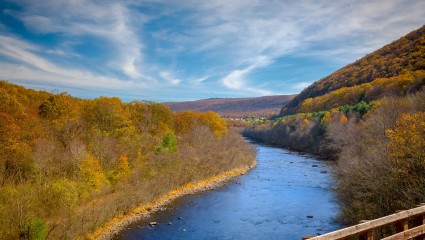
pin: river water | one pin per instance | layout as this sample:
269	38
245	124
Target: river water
287	196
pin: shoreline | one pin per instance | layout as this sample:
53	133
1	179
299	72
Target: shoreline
116	224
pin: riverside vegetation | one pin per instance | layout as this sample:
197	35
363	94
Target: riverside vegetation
370	118
68	165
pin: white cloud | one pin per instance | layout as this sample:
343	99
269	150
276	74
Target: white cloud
239	31
198	81
111	22
169	78
33	67
235	80
20	50
66	78
62	52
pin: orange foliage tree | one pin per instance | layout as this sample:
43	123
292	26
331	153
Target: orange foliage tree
185	121
343	119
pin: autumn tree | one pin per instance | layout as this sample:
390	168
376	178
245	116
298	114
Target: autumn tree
343	119
91	174
407	146
122	171
214	122
106	115
186	121
50	109
138	113
59	154
15	164
159	118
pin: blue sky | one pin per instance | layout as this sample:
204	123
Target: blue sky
165	50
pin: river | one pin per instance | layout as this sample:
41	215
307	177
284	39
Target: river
286	196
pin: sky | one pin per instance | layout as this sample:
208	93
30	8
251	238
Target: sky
179	50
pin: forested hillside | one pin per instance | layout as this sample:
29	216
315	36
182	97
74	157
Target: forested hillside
236	107
369	117
401	56
68	165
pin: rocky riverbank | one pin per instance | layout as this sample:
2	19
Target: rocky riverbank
119	222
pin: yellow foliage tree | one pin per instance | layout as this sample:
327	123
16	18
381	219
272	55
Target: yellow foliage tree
304	124
91	174
64	194
121	172
217	124
124	170
107	115
407	145
326	118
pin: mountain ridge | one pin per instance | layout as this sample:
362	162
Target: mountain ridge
235	107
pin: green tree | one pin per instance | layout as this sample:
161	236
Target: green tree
169	143
35	229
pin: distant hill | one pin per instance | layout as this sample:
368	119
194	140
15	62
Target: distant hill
402	56
235	107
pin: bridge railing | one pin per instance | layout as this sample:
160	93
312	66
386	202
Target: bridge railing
399	221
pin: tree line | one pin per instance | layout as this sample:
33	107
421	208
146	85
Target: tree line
68	165
378	148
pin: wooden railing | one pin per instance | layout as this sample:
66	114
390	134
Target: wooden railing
391	227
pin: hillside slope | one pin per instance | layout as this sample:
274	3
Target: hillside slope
69	165
404	54
369	117
235	107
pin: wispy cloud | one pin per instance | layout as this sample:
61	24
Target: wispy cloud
235	80
170	78
111	22
32	66
200	80
246	30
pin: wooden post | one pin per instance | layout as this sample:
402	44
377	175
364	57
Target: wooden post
418	221
367	235
402	226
